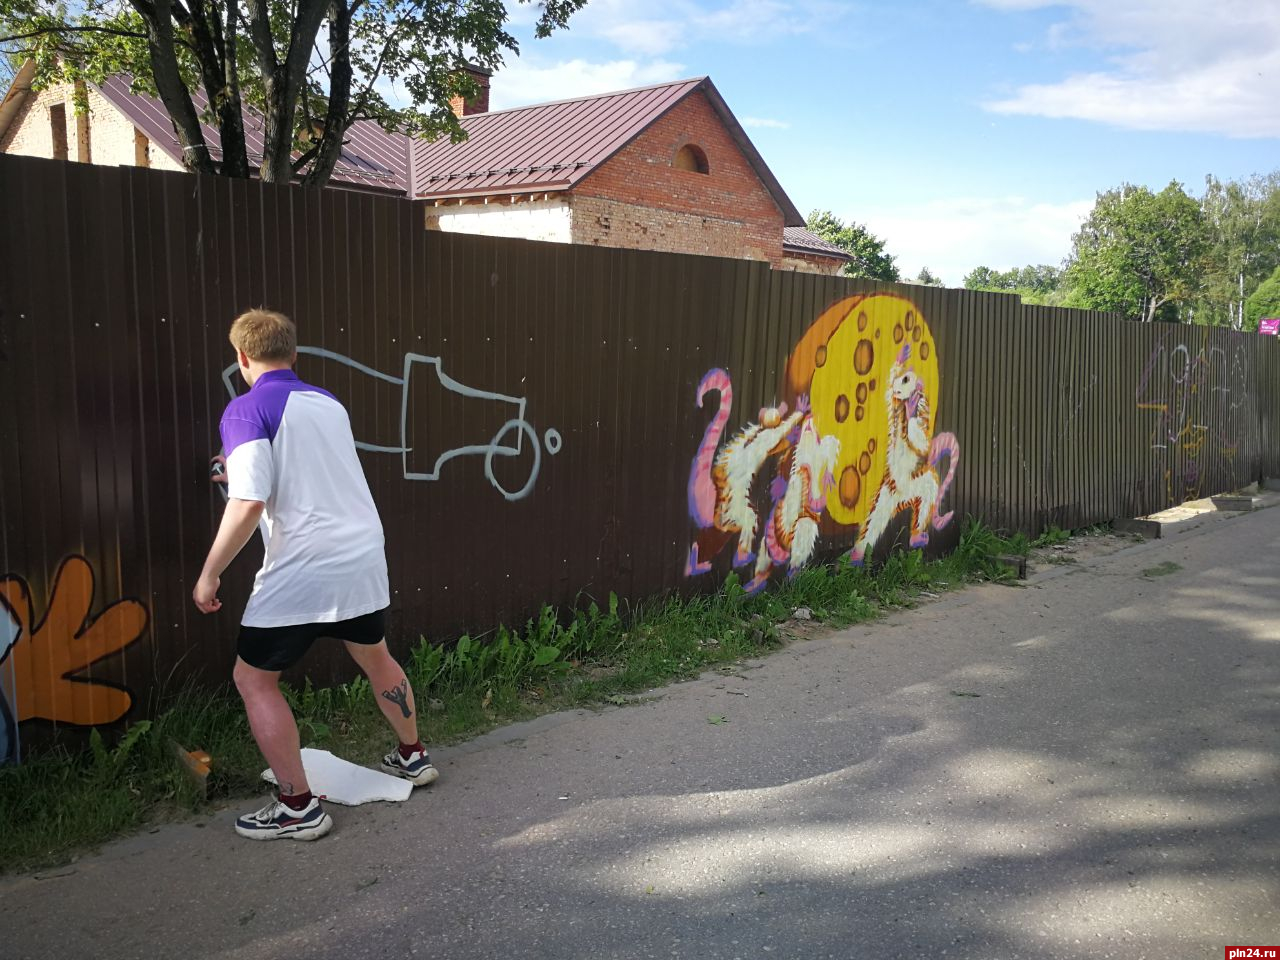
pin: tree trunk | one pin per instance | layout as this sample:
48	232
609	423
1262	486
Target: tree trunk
218	73
283	81
168	80
336	117
231	77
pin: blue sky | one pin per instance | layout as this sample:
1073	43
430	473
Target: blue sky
962	133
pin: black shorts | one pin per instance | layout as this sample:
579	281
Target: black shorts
279	648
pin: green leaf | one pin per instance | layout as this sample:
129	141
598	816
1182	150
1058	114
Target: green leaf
135	733
98	748
545	655
717	719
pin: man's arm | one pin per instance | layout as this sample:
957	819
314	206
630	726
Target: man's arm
238	523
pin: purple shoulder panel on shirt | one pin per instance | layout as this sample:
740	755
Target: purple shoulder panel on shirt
256	415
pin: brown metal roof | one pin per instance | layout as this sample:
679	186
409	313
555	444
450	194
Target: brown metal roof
544	147
371	158
553	146
800	240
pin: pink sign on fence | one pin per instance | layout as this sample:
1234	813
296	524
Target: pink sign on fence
1269	326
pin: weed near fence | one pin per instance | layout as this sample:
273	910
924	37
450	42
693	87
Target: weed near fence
57	802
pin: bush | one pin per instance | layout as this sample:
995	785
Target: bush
1265	302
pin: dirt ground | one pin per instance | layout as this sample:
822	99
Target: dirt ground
1081	548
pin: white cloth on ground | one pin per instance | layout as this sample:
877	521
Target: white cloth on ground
340	781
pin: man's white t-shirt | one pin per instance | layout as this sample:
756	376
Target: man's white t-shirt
290	446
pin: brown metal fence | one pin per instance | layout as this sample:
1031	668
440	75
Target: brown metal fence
530	416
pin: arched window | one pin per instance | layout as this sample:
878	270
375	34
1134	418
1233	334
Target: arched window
692	158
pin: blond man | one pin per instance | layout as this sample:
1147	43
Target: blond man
291	462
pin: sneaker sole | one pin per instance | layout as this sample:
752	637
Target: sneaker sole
429	775
309	832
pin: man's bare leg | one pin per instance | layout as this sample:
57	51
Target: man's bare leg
273	725
390	687
394	696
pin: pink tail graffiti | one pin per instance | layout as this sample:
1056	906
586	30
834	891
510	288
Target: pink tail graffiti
702	491
944	445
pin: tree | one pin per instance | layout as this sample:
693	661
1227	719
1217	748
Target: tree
1139	251
1243	219
984	278
1264	302
10	61
926	278
1041	279
1038	284
266	55
867	250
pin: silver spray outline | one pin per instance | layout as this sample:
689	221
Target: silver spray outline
496	447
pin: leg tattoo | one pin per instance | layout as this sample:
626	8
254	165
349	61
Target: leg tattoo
399	696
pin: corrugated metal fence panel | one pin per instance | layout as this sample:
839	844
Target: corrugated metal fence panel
529	411
1267	385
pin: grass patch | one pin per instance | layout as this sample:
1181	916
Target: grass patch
1096	530
1052	536
60	801
1162	569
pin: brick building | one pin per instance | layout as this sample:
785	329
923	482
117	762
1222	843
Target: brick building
45	124
125	129
666	167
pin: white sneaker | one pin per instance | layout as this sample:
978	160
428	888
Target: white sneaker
417	769
276	821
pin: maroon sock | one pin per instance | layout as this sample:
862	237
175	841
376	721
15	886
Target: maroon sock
408	749
296	801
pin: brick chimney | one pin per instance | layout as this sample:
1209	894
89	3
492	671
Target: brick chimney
480	103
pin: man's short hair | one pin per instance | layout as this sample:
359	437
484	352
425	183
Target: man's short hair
265	335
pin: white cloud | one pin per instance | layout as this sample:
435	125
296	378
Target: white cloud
749	20
648	38
765	122
667	25
645	34
951	237
524	80
1173	65
1019	4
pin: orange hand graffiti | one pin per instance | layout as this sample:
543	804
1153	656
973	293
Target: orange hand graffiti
48	656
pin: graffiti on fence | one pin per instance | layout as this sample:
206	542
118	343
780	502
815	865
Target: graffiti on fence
911	479
10	632
511	439
1198	395
44	659
835	451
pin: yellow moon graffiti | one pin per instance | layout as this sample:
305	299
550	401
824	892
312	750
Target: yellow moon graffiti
843	363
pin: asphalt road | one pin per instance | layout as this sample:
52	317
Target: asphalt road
1083	767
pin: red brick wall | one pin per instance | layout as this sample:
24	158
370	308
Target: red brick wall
812	263
727	212
465	108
